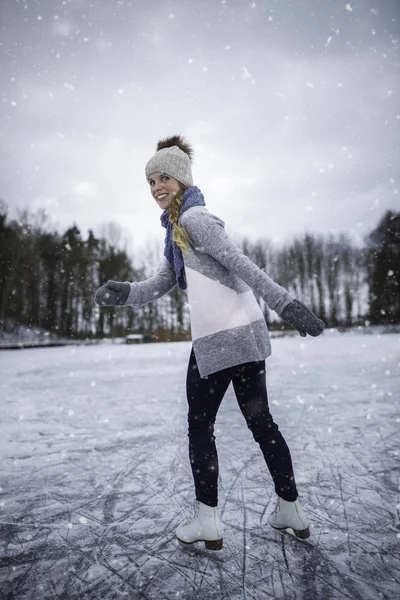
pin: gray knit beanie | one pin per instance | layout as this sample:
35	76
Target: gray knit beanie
173	157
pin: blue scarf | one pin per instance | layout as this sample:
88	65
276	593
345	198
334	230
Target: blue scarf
172	252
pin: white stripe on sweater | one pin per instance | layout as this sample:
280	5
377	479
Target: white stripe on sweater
215	307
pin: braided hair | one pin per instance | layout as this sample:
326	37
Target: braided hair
179	235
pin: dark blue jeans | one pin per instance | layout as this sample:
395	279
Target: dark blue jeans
204	399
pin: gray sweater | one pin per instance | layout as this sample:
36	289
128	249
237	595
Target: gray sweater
227	324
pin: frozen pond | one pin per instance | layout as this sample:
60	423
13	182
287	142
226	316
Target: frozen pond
95	475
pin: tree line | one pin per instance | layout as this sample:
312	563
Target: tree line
48	279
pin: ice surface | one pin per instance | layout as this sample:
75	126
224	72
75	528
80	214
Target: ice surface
95	475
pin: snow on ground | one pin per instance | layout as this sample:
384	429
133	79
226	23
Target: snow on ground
95	475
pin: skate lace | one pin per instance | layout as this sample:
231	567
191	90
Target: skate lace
195	511
277	507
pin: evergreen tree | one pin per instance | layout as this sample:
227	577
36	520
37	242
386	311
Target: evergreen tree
383	264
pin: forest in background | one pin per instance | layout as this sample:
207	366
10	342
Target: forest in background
48	279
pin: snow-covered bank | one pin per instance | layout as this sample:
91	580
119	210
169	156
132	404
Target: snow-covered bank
39	338
95	474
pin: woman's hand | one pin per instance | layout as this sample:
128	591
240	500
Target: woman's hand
303	319
113	293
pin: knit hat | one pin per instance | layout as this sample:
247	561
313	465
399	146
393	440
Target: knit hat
173	157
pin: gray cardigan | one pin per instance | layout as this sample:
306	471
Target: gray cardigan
227	324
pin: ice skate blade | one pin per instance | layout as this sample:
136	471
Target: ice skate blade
209	544
302	534
196	550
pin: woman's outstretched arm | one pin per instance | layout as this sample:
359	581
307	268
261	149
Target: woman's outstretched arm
143	292
209	236
137	293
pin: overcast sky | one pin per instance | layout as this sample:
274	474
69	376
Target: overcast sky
292	107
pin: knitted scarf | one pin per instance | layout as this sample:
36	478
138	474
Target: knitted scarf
172	252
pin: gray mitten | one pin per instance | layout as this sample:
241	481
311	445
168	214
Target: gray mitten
113	293
303	319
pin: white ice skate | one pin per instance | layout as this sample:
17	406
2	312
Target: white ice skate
290	515
205	527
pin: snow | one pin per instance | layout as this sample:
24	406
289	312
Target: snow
95	475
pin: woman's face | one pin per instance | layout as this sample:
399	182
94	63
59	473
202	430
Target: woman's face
163	189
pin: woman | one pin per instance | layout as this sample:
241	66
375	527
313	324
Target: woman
229	334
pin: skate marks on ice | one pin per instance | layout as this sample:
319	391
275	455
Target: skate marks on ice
94	487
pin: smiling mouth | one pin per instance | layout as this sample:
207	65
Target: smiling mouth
162	196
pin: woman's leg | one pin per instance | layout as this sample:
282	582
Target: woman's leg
204	399
249	382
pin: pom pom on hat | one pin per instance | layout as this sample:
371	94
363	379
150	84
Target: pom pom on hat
176	140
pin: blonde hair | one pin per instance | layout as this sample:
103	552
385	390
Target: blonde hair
179	235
